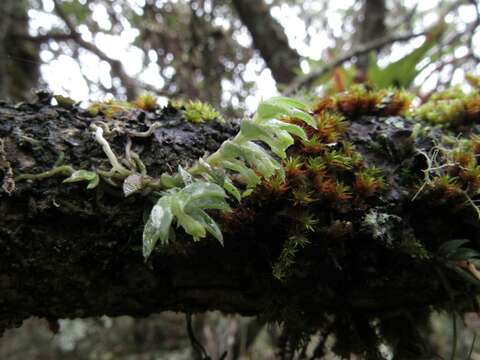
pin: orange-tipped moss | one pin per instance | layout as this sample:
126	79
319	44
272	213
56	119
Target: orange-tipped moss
331	126
317	166
395	102
337	160
446	186
472	107
368	182
146	102
358	101
109	108
475	144
303	196
293	166
471	176
313	145
361	100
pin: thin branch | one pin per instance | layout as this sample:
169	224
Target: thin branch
308	79
132	85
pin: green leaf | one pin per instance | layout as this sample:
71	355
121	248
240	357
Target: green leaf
185	206
157	226
169	181
306	117
256	157
286	101
463	254
290	128
278	107
208	223
84	175
401	73
278	140
232	189
268	110
187	222
247	175
465	275
185	175
451	246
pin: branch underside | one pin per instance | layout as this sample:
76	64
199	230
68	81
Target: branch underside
71	252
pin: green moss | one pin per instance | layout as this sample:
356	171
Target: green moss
197	111
363	100
109	108
452	108
146	102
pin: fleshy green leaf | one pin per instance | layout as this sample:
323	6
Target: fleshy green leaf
291	128
278	140
289	102
186	177
278	107
208	223
232	189
451	246
157	226
168	181
84	175
247	175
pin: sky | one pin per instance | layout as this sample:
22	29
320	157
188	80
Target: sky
63	74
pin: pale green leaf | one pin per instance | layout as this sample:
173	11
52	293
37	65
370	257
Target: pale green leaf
185	175
208	223
451	246
157	226
84	175
232	189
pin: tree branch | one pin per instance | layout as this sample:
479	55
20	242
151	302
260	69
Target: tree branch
308	79
269	38
71	252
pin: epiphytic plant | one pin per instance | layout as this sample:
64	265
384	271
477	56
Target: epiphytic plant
241	160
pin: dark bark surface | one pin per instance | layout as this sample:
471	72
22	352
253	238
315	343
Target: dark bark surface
71	252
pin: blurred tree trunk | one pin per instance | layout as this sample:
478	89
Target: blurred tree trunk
19	59
371	27
269	38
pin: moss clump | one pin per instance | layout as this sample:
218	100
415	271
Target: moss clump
452	174
109	108
146	102
452	108
361	100
197	111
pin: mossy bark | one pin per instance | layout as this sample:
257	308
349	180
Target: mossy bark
70	252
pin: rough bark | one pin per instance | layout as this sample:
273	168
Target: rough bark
269	38
70	252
